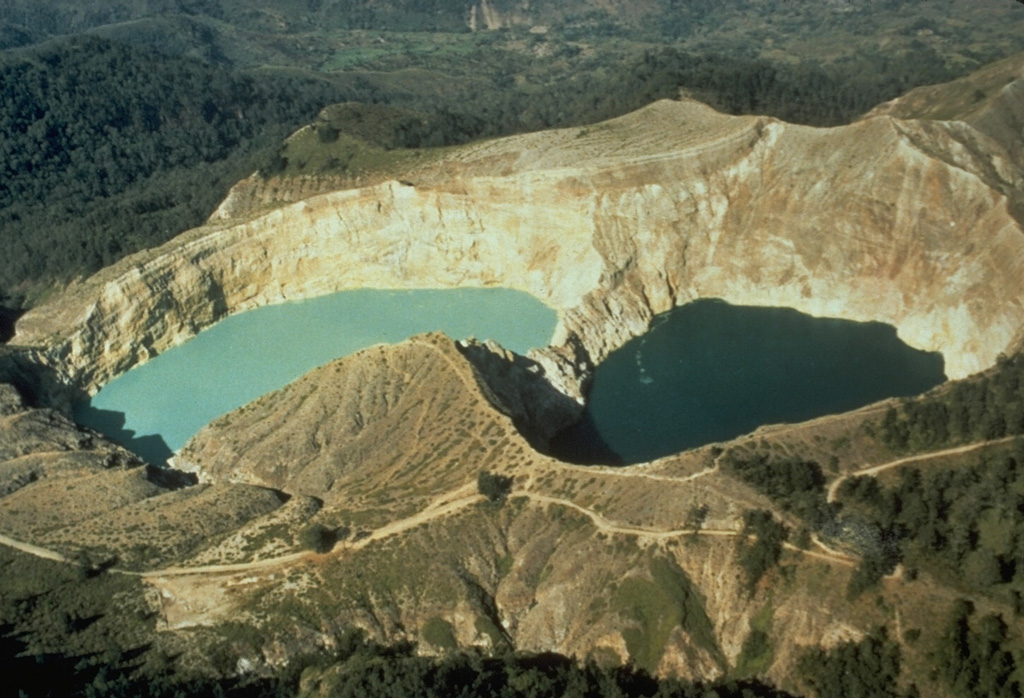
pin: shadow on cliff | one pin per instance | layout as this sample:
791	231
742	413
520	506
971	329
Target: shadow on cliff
38	384
552	423
41	387
151	447
8	318
581	444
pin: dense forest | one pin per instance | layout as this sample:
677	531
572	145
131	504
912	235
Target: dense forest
965	524
989	406
109	148
803	92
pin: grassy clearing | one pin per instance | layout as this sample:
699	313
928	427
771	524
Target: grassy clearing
439	633
659	605
758	651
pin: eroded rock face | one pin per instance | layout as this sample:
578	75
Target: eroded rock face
905	222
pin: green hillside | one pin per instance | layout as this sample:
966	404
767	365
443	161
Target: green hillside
123	140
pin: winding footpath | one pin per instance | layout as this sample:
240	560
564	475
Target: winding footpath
44	553
833	489
462	497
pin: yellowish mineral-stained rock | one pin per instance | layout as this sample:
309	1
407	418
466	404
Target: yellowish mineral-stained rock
909	222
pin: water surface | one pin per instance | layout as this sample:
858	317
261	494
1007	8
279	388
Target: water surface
709	371
155	408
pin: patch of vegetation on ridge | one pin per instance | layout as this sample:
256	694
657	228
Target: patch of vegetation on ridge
659	605
795	484
757	652
963	525
988	406
439	633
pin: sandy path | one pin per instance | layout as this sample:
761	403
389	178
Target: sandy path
607	526
444	505
875	469
32	549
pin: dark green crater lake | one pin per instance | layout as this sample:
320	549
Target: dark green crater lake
154	408
709	371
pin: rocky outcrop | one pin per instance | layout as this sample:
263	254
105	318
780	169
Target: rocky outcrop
905	222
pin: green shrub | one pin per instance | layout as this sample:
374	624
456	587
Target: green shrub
318	538
494	487
439	633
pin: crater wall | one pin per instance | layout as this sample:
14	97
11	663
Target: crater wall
900	221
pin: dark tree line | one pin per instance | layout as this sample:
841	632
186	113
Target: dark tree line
966	523
796	485
869	668
988	406
363	669
803	93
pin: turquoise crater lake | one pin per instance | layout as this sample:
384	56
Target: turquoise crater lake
154	408
709	371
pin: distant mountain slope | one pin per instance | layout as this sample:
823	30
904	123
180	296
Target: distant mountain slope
990	24
525	67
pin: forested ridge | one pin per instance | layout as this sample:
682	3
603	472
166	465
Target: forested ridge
988	406
108	148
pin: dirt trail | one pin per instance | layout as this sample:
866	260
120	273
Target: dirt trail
232	568
32	549
874	469
607	526
447	503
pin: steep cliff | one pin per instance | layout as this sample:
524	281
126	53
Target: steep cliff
908	222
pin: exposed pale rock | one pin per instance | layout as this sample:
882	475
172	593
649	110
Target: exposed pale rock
905	222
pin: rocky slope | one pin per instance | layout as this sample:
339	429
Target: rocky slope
586	562
910	222
384	448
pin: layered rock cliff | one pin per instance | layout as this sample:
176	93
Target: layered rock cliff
909	222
